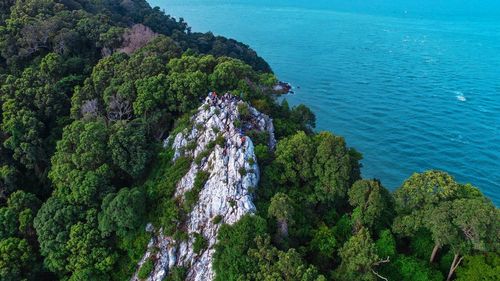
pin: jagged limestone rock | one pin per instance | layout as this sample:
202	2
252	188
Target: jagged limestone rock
232	171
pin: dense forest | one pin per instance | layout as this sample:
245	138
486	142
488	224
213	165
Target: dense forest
89	91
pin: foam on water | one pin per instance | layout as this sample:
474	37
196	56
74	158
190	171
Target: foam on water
460	96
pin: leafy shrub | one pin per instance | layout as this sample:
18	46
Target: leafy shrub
258	137
146	269
244	111
217	219
177	273
200	243
191	196
243	172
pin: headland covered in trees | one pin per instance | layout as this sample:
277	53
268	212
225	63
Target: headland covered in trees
90	91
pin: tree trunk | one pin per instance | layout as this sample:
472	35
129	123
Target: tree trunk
454	265
283	228
434	252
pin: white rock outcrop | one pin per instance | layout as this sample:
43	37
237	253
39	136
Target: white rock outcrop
227	194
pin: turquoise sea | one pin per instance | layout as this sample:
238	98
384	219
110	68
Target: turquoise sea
413	85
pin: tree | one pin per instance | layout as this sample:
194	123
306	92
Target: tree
129	147
8	223
53	223
373	204
480	267
419	194
228	73
80	166
87	250
295	156
324	242
273	264
17	260
386	244
359	258
281	208
230	257
477	224
410	268
122	212
335	165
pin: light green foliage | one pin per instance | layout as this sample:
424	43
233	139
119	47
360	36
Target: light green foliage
482	267
411	269
359	256
17	261
151	95
324	242
87	250
386	244
295	155
228	73
322	163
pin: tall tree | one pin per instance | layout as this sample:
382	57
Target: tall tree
359	258
281	208
373	204
419	194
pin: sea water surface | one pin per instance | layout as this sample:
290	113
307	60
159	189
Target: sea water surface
413	85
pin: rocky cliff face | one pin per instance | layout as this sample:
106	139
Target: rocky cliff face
222	150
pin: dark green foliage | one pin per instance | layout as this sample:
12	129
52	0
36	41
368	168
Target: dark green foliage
373	204
16	260
122	212
177	274
191	196
132	247
257	137
358	256
324	242
411	269
230	260
217	219
53	224
199	244
273	264
160	188
145	269
129	148
243	171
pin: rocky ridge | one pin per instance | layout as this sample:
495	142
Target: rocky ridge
222	150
